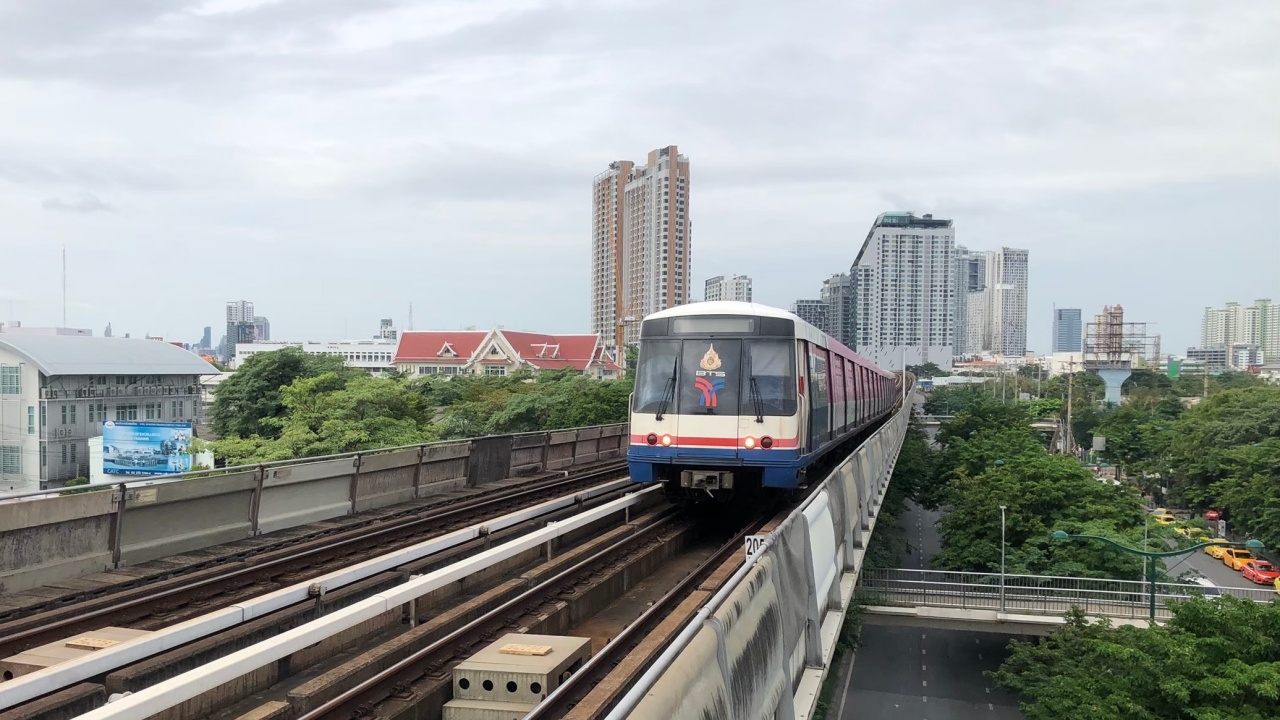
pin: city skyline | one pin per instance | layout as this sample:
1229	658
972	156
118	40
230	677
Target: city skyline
442	162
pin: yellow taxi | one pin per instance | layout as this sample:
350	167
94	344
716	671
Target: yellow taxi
1235	558
1217	550
1166	519
1193	533
1276	583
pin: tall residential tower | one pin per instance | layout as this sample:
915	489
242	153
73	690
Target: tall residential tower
640	248
905	284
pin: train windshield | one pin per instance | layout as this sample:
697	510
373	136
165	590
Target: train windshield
714	377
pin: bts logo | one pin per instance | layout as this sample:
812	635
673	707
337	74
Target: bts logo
708	387
707	381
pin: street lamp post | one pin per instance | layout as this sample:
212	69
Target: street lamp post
1002	546
1152	556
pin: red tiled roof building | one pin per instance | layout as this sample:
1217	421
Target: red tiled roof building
500	352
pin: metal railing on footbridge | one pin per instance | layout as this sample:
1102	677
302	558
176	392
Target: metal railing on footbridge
1031	594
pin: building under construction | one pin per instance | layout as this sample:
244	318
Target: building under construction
1112	347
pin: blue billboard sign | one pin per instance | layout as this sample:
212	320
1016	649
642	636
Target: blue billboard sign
145	448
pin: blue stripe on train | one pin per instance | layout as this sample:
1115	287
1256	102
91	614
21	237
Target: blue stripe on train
780	466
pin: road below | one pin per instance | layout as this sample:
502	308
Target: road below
926	674
922	537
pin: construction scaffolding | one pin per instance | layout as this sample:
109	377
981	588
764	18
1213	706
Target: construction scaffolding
1112	347
1112	343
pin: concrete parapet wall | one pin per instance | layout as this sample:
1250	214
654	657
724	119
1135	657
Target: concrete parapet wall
42	541
761	647
50	539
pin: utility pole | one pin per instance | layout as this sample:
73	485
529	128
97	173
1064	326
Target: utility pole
1205	392
1071	376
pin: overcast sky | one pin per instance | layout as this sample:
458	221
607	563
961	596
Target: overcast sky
336	161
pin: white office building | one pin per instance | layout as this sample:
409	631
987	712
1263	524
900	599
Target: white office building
375	356
904	279
57	390
732	288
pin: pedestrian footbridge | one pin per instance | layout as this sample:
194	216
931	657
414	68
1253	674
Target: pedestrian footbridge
1016	604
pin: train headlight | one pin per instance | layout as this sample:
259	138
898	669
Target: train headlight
749	443
766	442
652	439
666	441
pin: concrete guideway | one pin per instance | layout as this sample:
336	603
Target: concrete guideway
169	693
51	679
774	625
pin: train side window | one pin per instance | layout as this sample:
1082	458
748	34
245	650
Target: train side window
821	399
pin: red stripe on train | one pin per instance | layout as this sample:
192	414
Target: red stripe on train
779	443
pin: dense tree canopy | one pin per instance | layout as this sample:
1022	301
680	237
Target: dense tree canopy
319	409
991	457
1225	453
1215	660
245	402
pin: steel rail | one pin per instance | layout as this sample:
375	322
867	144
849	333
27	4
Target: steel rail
349	702
570	692
178	689
47	628
56	677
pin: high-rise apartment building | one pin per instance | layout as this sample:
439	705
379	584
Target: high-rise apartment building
733	288
813	312
970	270
239	327
1007	284
995	320
1236	324
905	284
839	297
1068	330
640	248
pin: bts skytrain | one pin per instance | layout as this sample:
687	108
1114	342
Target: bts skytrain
732	396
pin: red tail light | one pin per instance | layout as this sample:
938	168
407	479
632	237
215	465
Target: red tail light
652	439
801	384
766	442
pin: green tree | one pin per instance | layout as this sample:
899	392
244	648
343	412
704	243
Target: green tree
1205	441
251	396
927	370
1215	660
952	399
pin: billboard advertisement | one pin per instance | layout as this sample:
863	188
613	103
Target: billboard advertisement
145	448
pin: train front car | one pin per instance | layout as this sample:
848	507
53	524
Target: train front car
716	398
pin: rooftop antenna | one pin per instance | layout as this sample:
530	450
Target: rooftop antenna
64	282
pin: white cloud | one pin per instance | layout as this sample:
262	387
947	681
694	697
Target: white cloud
335	161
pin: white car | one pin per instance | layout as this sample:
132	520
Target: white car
1204	585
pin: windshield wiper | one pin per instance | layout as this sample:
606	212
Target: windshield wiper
755	399
669	392
754	388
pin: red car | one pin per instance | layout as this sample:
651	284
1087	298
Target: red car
1260	571
1212	515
